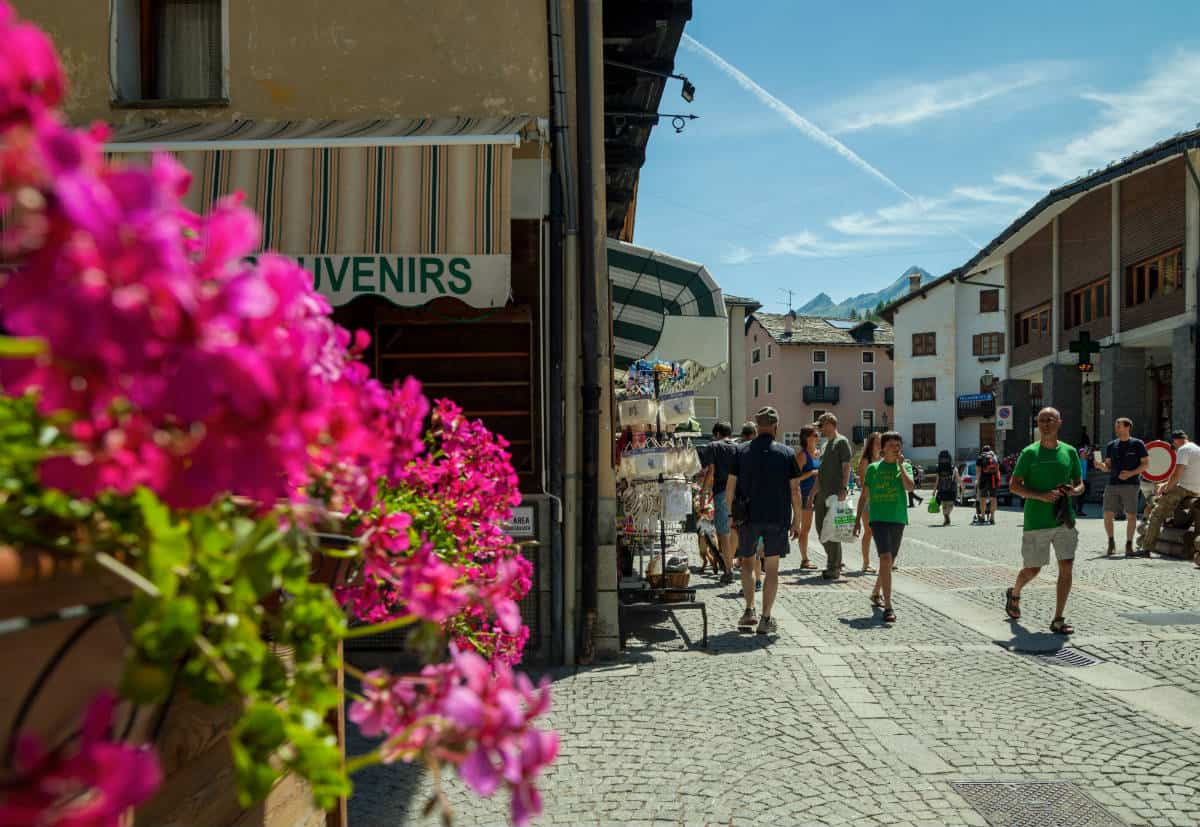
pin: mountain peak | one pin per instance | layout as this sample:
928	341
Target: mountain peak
823	305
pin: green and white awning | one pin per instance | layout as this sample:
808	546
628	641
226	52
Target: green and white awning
664	307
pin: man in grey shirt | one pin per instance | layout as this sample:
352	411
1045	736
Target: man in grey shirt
833	480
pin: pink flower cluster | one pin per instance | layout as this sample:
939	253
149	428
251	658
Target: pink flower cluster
478	717
91	787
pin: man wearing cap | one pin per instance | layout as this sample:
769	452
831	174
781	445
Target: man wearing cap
1183	482
768	476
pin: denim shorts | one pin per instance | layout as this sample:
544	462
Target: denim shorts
887	537
774	538
721	513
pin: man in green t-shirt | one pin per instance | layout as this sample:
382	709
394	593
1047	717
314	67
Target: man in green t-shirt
833	480
1047	475
886	486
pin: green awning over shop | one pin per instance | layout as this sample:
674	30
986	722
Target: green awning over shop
664	307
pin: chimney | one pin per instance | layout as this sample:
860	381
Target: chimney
914	282
789	322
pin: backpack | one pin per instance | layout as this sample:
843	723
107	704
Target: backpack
988	466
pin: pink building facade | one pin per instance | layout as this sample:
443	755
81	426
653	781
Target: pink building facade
804	366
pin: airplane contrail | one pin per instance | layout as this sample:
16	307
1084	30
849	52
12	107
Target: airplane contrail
802	123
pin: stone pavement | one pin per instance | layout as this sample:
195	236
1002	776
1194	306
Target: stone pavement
840	721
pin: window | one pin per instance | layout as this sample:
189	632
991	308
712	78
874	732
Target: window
1086	303
768	351
868	380
868	418
989	301
1035	393
1031	325
706	407
1147	279
868	357
756	387
770	386
924	435
924	344
819	378
924	390
756	356
819	357
818	413
792	439
170	50
987	344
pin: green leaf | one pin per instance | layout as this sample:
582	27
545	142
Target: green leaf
12	347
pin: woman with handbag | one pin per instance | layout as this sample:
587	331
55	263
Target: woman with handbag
948	480
810	463
871	453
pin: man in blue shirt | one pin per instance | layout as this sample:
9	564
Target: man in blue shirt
717	457
1125	459
769	478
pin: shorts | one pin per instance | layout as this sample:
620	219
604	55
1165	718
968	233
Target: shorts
1121	499
1035	545
721	513
987	489
887	537
775	541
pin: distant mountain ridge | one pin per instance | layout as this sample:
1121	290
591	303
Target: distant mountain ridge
823	305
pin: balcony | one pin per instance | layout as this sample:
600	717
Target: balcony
976	404
821	394
889	396
860	433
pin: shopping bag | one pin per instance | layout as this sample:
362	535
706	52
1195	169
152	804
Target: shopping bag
839	522
933	506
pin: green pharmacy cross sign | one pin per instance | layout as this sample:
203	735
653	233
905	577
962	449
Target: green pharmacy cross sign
1085	347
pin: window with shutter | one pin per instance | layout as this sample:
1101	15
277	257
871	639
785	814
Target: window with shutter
170	50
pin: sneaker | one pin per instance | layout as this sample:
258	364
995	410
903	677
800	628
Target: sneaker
1112	547
758	585
726	579
1129	552
749	618
767	626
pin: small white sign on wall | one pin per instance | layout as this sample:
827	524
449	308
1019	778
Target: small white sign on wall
522	524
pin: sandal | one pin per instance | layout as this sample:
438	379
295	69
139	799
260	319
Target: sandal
869	570
877	601
1012	605
1059	626
889	616
808	566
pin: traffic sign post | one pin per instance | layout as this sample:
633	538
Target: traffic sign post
1004	417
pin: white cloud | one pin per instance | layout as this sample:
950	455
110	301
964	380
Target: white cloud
807	244
737	255
988	195
1166	102
906	104
1022	182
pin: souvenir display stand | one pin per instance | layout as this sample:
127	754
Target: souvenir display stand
656	493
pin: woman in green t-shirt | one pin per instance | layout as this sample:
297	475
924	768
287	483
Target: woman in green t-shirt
886	485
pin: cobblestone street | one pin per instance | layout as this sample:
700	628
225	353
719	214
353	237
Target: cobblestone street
840	721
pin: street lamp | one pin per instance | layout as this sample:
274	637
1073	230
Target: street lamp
987	381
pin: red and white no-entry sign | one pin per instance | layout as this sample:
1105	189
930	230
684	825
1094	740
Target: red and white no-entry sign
1162	460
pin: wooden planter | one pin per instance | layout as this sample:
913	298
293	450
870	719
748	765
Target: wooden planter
193	746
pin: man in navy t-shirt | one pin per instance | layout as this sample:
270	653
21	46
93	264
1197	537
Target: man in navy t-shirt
1125	459
767	474
718	457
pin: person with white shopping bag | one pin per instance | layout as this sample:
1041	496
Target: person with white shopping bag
833	480
768	509
886	486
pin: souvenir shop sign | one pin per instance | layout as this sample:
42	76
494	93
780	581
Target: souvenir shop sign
412	280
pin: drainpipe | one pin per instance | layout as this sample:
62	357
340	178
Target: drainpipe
562	221
587	17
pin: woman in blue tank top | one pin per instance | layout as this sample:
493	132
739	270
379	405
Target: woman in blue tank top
809	463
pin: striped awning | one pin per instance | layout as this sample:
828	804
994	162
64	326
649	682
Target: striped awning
349	187
664	307
314	134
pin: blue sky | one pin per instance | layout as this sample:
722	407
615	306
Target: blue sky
973	110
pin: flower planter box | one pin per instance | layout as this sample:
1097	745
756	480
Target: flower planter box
192	742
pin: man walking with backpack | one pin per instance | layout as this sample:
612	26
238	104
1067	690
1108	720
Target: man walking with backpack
987	469
765	473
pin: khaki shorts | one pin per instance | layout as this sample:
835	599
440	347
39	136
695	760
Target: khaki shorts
1121	499
1035	545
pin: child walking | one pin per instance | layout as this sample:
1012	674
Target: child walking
884	500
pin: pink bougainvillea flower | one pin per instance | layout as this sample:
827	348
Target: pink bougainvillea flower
92	787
